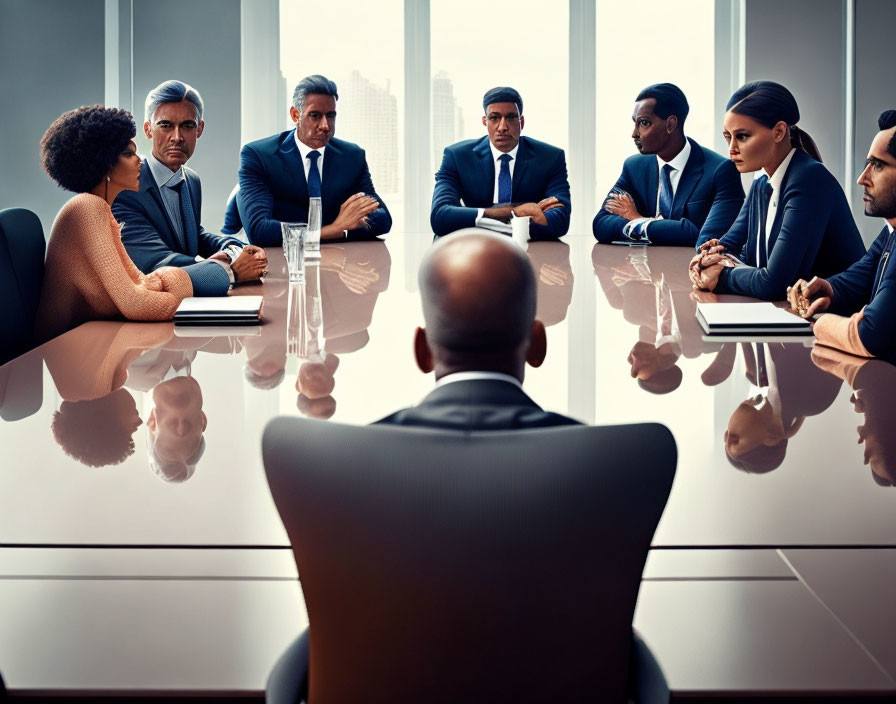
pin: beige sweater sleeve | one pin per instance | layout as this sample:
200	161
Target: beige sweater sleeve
841	333
104	256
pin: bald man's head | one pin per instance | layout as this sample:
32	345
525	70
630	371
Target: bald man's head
478	296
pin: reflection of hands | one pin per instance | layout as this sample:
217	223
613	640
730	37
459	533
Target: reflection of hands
552	275
353	213
808	298
357	278
251	264
622	205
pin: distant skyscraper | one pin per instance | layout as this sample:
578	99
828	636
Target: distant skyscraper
368	116
447	117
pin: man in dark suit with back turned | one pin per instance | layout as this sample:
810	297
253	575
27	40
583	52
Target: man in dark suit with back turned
478	293
161	223
501	176
674	190
279	174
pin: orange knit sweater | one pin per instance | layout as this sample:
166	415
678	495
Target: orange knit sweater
89	276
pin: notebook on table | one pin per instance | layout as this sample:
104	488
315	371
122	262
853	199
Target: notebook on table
750	319
219	310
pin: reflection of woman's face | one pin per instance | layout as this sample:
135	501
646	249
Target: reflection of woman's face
126	172
750	145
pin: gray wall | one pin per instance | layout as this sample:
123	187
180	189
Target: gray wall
875	88
51	60
800	44
201	47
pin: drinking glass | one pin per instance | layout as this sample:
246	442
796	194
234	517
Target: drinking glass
312	234
293	239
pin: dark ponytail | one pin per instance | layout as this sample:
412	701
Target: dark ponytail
769	103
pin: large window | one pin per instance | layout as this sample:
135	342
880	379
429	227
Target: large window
364	55
476	46
661	42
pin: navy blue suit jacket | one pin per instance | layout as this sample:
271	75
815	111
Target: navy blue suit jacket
813	234
467	174
273	188
151	240
478	404
707	200
871	282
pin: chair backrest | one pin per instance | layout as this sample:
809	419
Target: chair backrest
232	221
22	250
491	566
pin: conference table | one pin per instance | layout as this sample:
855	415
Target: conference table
141	553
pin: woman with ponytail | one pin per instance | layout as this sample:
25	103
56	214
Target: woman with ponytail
795	222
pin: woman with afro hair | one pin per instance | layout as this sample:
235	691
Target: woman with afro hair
88	274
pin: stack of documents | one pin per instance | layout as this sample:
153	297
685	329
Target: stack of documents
222	310
749	319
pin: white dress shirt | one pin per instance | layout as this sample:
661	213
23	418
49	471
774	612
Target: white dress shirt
775	181
497	154
478	376
304	151
678	162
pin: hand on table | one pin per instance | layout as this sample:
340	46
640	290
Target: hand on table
622	205
712	246
251	265
806	298
532	210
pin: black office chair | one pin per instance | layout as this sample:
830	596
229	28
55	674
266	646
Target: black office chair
22	249
479	567
232	221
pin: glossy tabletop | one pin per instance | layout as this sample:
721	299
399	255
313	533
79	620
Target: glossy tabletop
144	439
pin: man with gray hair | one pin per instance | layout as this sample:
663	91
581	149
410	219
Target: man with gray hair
278	175
161	223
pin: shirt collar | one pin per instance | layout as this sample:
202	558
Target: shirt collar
679	160
496	153
164	177
777	178
478	376
304	149
890	227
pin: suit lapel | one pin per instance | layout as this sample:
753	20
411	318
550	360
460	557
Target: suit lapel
330	175
690	176
653	184
779	212
293	168
523	157
155	208
486	186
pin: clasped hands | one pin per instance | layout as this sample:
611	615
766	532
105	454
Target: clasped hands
806	298
707	265
251	264
536	211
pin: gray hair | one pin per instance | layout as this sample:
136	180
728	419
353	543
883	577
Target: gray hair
312	85
172	92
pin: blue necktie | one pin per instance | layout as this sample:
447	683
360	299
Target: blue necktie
765	194
505	186
666	193
190	234
313	176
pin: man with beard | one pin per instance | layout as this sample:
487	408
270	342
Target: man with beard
673	192
866	291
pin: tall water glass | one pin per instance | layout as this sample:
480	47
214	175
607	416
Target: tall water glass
312	234
293	240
